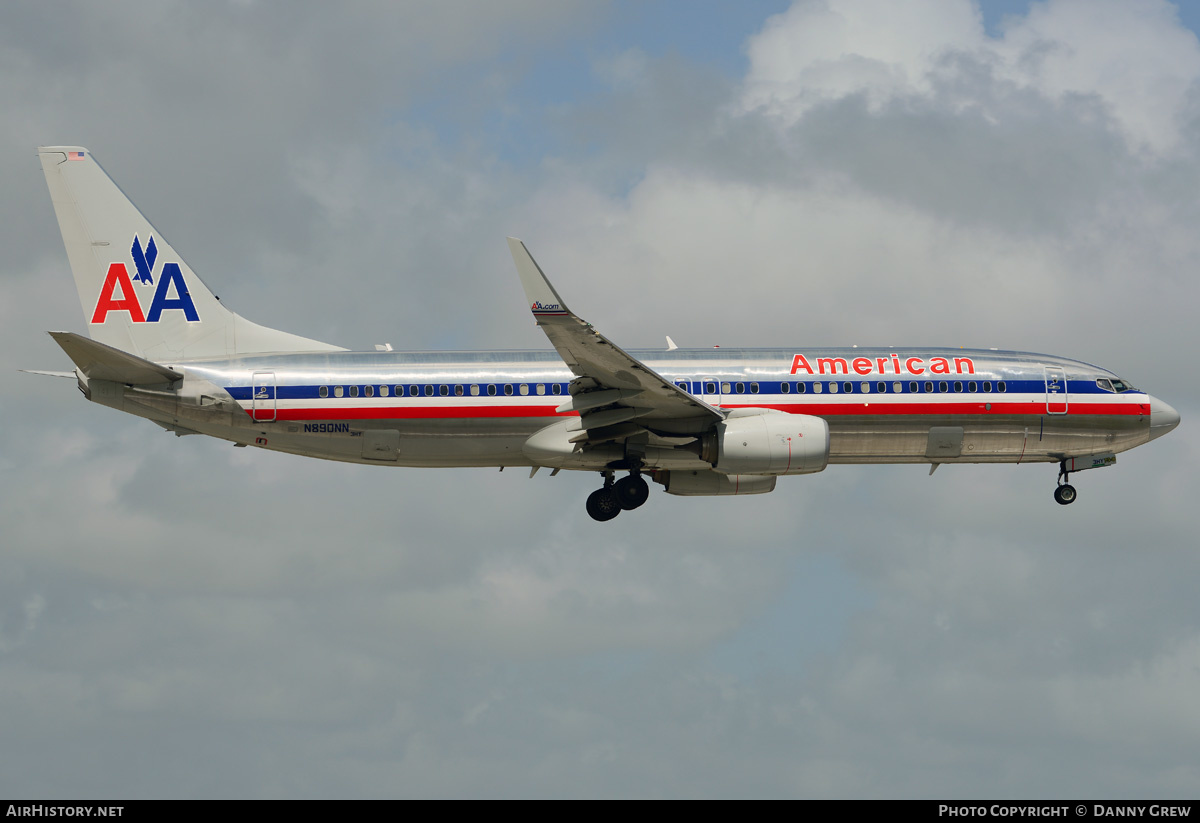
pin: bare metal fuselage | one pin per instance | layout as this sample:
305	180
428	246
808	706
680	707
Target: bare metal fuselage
479	408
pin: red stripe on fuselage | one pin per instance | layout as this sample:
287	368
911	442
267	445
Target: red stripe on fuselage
885	408
417	412
882	408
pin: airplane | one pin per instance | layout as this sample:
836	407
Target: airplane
699	422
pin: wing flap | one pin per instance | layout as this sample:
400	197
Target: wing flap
586	401
610	417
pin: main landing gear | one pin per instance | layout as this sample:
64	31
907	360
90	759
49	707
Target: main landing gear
1065	493
612	498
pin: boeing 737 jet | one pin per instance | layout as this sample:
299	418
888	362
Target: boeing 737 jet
699	422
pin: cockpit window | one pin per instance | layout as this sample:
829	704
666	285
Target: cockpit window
1114	385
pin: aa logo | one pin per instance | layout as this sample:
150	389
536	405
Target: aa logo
119	295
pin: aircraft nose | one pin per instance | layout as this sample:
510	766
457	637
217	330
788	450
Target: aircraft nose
1163	418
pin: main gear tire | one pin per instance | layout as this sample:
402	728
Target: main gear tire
602	504
631	491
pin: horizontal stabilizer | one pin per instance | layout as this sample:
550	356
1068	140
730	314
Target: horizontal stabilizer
101	362
48	373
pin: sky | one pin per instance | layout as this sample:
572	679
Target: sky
179	618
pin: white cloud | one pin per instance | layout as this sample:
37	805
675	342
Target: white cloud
1133	57
821	50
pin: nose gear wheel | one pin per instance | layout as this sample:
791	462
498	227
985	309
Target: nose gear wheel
1065	494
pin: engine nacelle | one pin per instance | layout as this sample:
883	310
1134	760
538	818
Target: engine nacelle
708	483
772	443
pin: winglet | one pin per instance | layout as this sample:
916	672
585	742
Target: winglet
543	300
600	363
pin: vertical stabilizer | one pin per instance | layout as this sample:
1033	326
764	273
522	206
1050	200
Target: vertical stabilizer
138	295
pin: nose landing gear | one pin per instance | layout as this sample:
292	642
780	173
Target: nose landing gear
1065	493
611	499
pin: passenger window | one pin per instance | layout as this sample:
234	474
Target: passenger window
524	389
369	391
458	391
928	387
914	387
987	386
943	386
972	386
555	389
1001	387
337	391
740	388
801	387
833	387
958	385
897	387
710	388
354	391
383	391
784	388
444	391
541	388
415	391
491	390
882	387
849	387
474	389
726	388
754	388
508	389
866	387
429	391
323	391
817	387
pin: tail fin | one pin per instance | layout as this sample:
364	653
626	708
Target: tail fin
137	294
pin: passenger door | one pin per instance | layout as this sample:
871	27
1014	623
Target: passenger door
1056	390
262	390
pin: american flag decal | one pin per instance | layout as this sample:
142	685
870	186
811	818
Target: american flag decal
74	155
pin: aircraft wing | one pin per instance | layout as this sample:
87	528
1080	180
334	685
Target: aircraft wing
616	394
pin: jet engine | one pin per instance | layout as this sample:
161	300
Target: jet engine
769	442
